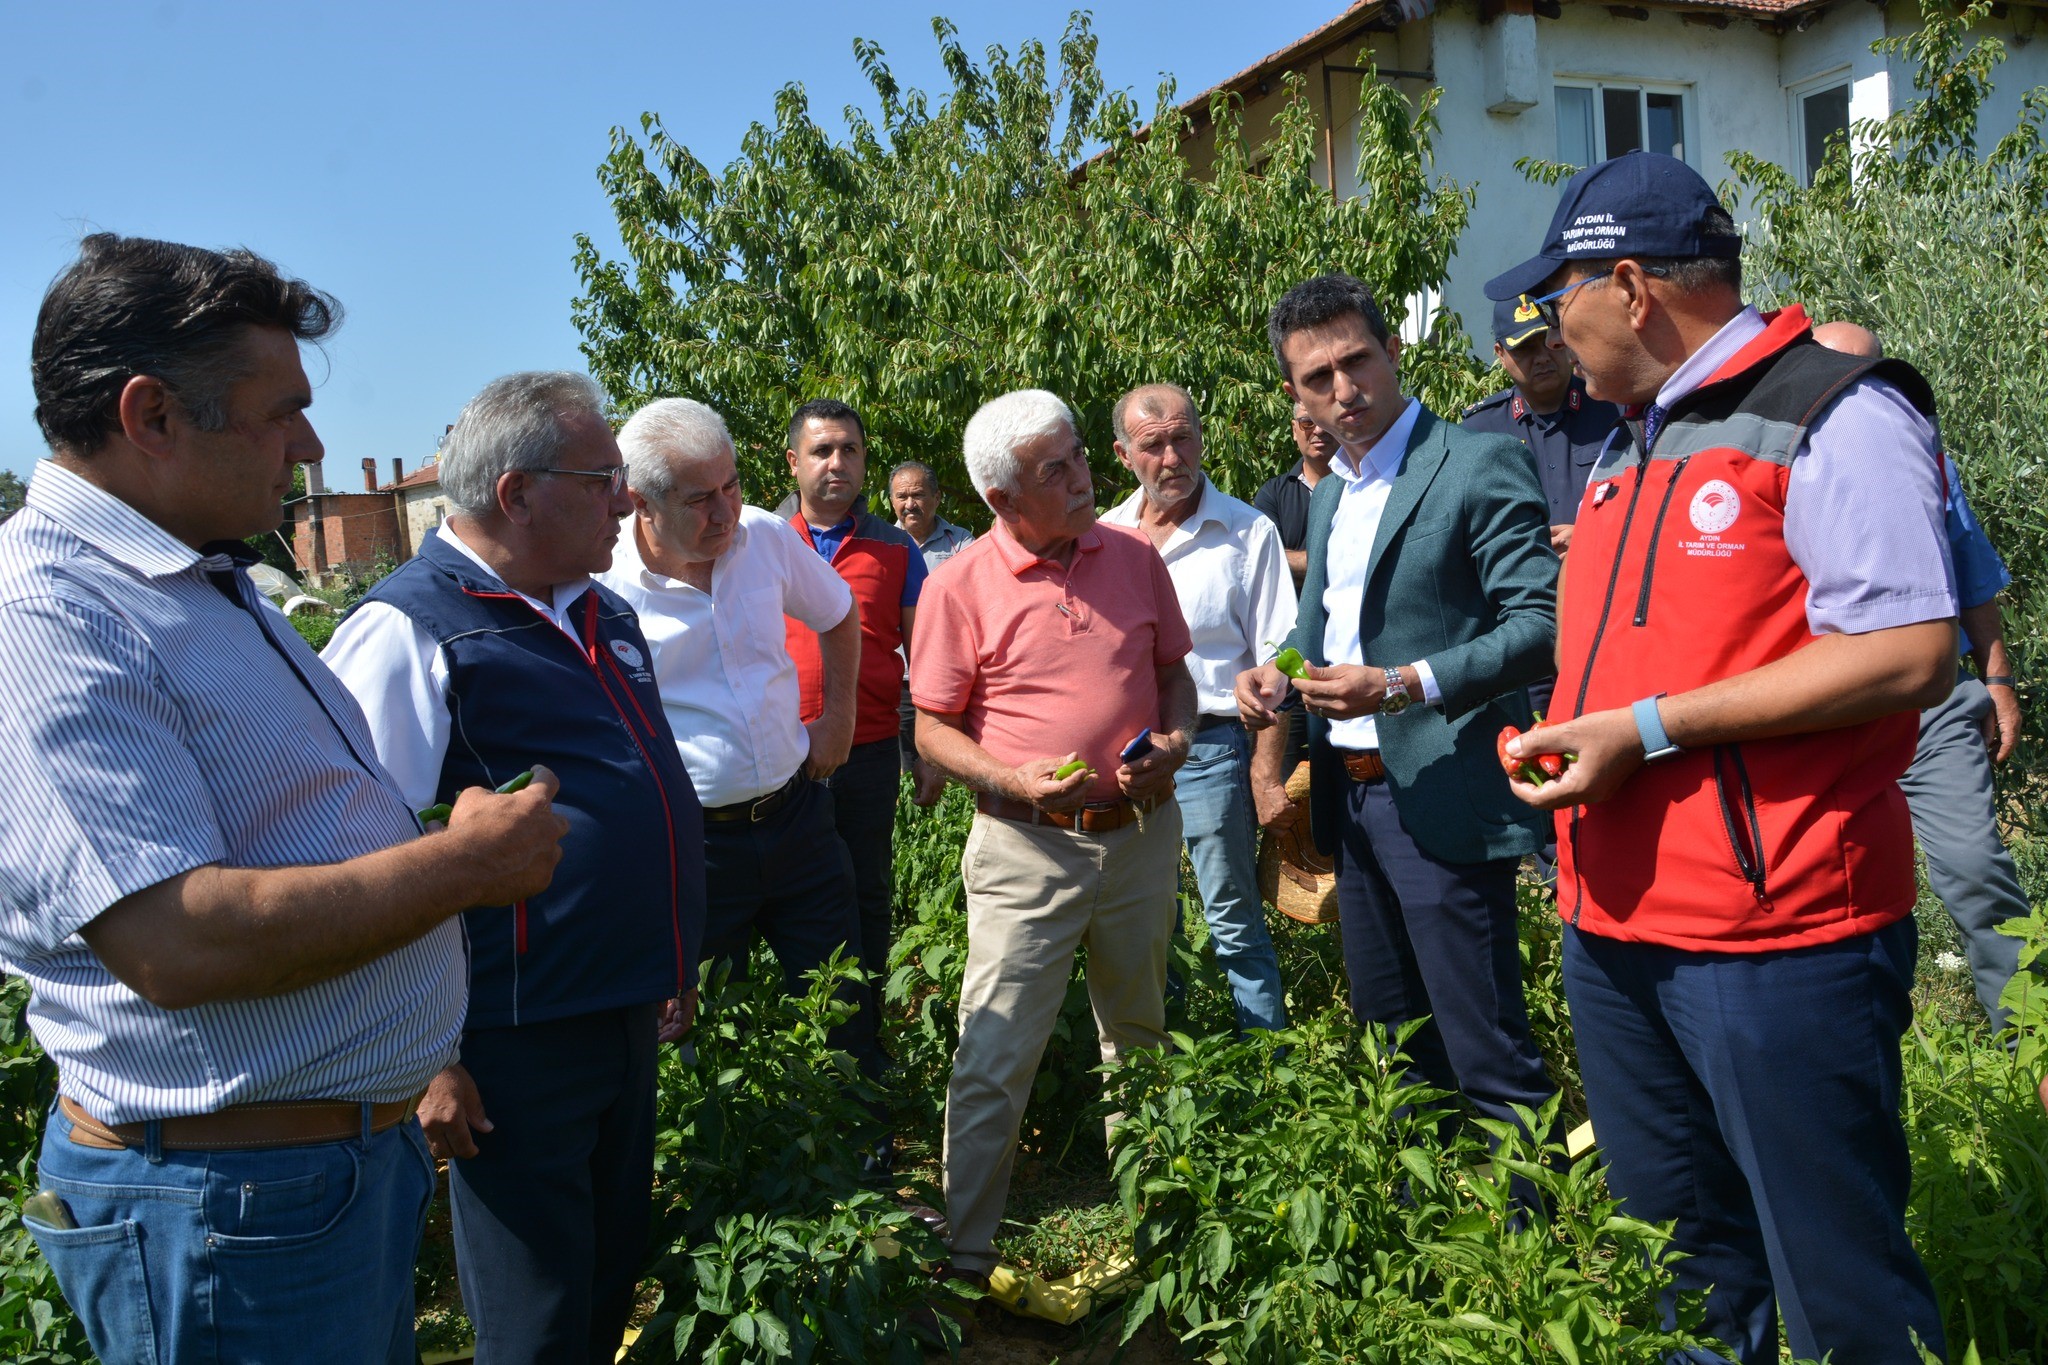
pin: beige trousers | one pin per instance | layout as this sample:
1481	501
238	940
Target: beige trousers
1034	894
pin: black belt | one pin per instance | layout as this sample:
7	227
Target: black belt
1217	723
761	807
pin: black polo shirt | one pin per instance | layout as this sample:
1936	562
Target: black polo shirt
1284	499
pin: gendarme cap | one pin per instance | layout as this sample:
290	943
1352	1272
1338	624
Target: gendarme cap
1639	204
1515	320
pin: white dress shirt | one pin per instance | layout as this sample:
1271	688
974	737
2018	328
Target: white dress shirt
1368	479
1229	570
727	684
399	675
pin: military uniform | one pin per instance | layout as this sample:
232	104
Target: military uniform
1566	443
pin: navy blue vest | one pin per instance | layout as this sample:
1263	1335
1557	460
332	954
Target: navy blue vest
621	922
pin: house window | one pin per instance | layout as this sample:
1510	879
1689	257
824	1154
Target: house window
1823	115
1596	120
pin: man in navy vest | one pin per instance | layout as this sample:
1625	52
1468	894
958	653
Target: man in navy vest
489	652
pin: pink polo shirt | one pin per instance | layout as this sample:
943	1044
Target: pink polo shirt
1040	661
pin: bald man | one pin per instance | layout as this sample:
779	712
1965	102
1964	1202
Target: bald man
1948	785
1230	574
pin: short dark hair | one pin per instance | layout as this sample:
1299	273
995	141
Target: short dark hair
825	410
131	306
1324	299
1695	274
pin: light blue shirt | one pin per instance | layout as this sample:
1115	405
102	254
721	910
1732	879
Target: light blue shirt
153	727
1863	500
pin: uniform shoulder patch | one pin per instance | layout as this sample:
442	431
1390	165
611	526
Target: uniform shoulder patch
1492	400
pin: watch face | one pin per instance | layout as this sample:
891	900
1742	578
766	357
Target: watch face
1394	704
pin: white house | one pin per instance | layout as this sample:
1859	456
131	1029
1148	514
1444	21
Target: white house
1577	81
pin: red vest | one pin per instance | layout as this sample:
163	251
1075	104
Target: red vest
874	561
1679	576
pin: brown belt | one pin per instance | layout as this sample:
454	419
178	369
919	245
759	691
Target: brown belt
1364	765
1098	818
244	1127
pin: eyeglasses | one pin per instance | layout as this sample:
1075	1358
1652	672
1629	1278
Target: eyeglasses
1546	307
614	478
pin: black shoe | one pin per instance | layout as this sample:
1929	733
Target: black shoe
878	1163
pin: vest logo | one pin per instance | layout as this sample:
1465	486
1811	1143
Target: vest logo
1715	507
631	658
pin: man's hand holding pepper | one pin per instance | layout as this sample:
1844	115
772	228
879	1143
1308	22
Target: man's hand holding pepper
1343	691
513	841
1037	782
1609	749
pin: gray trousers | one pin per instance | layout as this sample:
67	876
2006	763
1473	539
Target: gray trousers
1948	788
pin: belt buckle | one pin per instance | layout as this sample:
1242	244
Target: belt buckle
754	815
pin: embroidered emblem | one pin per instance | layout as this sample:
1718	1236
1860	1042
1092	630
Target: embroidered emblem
628	655
1526	311
1604	490
1715	507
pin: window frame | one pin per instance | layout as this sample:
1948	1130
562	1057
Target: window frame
1688	96
1797	93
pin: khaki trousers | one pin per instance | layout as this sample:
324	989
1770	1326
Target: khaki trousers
1034	894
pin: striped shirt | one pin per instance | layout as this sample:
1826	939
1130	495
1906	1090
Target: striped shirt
152	727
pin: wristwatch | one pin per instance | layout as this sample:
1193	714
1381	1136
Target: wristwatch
1656	744
1396	699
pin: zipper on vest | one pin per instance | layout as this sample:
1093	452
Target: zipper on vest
1738	819
675	876
1642	616
1628	517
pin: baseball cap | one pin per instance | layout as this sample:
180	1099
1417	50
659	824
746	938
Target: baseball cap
1515	320
1637	204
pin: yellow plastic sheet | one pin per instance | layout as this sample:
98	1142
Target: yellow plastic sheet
1066	1300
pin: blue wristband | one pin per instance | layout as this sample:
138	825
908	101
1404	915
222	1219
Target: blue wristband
1650	726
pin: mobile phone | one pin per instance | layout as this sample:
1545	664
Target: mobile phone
1138	747
48	1209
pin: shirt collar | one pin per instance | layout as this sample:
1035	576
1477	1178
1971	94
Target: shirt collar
1206	510
1384	455
113	527
565	593
1745	327
1017	559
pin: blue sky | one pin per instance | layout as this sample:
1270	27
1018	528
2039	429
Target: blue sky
431	164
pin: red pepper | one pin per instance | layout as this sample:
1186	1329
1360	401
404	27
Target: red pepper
1552	764
1508	763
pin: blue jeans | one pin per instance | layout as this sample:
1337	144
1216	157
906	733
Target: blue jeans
1754	1099
1215	795
300	1253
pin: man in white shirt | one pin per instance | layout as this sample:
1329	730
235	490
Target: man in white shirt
712	580
1229	570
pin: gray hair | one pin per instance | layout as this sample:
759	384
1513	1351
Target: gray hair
663	430
1000	426
931	476
1145	398
517	422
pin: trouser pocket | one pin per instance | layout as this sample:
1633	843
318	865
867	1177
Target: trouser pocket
100	1271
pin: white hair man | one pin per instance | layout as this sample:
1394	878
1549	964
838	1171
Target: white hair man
713	580
1230	570
490	650
1049	676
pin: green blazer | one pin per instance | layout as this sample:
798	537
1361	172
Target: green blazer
1461	575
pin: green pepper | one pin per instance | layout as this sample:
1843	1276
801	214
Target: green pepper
1067	770
444	810
1290	662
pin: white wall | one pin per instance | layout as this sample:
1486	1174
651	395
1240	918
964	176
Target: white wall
1734	100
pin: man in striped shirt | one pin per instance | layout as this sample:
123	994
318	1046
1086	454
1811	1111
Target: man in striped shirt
242	953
